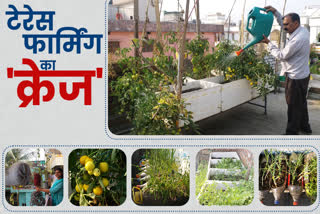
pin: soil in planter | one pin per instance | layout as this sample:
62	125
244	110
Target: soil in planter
149	200
225	81
222	177
190	90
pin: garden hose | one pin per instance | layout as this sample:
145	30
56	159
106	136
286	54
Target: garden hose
137	195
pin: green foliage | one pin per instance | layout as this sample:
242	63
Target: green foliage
16	155
275	170
295	167
167	181
114	194
310	173
234	195
315	68
144	94
201	176
240	193
223	177
198	49
247	65
228	163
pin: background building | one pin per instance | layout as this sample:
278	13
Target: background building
123	10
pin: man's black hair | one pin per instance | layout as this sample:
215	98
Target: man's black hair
294	17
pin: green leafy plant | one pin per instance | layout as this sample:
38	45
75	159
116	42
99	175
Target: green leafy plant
167	181
223	177
241	194
248	65
310	173
145	95
97	177
200	58
265	180
228	163
315	68
201	176
275	168
295	167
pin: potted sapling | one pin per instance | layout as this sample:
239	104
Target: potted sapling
295	182
264	177
277	169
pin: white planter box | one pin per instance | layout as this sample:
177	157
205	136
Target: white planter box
214	158
235	93
220	155
204	102
214	97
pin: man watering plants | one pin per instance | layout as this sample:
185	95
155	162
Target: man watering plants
294	59
56	189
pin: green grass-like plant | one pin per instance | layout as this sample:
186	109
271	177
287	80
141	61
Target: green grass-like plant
166	182
236	195
228	163
201	176
310	171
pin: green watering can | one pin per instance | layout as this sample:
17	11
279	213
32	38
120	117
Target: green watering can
261	25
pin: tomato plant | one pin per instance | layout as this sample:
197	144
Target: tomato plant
248	65
145	95
97	177
200	58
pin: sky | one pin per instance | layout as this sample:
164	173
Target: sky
224	6
35	156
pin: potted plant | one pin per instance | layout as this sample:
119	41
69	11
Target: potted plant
264	177
295	167
166	182
276	168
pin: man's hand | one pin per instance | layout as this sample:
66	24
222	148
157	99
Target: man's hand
270	8
265	39
37	189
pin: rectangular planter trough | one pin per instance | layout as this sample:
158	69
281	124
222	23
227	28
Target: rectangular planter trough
211	96
220	155
204	101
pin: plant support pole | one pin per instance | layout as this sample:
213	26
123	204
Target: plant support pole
181	54
136	24
198	17
156	7
242	25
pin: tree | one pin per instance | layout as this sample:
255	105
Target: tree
15	155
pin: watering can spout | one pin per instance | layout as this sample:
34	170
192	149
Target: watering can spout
253	42
259	23
239	52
